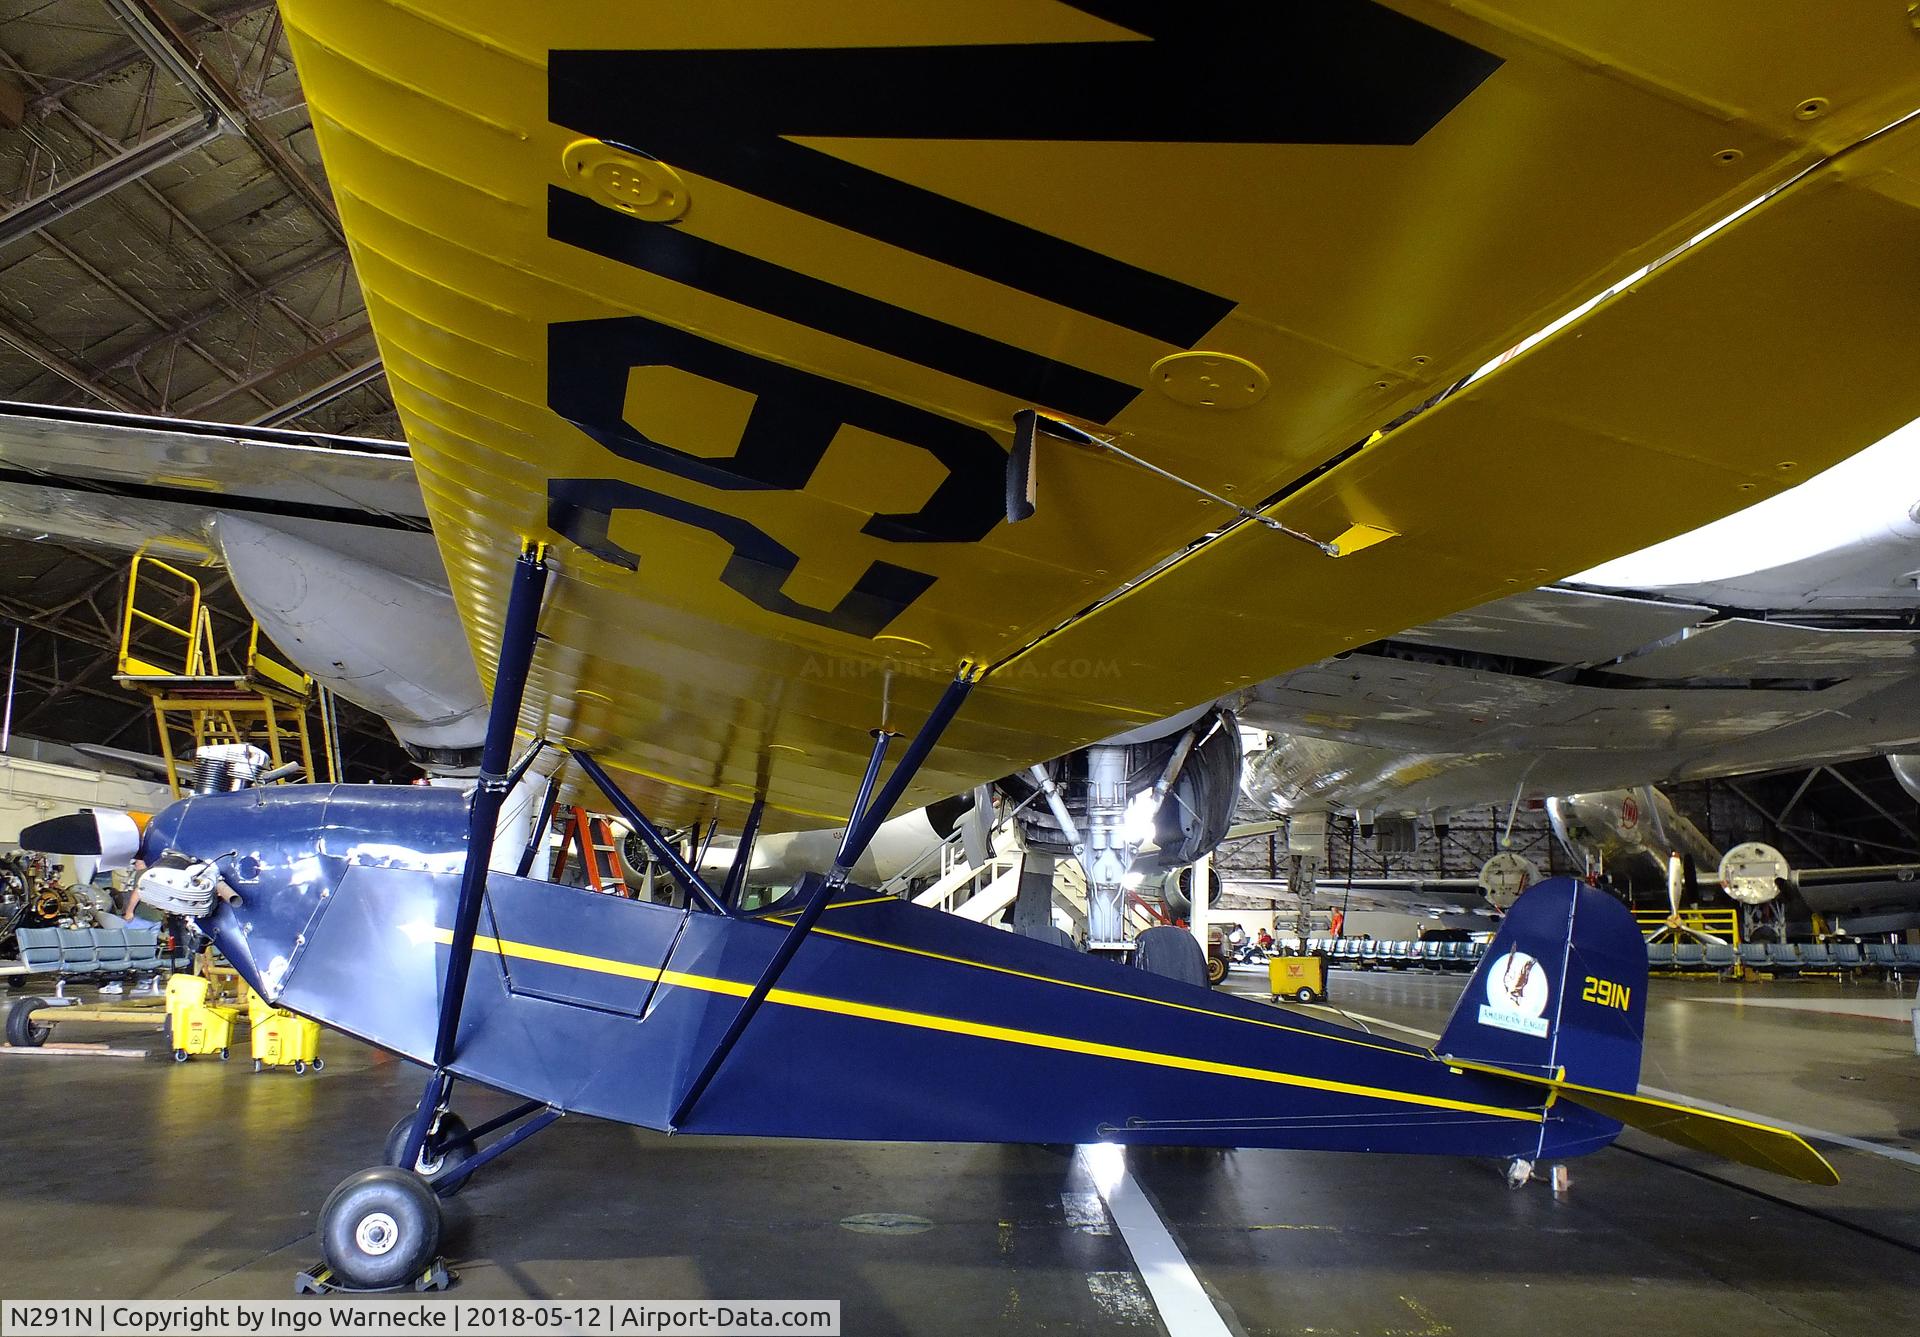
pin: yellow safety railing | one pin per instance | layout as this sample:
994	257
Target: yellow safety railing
1723	923
271	674
263	702
195	636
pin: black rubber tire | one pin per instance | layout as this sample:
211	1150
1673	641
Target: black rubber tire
380	1228
299	1066
317	1064
23	1032
452	1127
1305	994
1172	953
1216	970
179	1056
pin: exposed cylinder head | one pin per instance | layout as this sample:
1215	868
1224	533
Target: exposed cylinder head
210	775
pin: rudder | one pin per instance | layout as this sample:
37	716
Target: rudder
1561	992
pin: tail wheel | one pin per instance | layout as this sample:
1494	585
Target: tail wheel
448	1145
380	1228
1216	969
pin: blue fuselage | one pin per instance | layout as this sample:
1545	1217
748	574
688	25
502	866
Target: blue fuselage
892	1022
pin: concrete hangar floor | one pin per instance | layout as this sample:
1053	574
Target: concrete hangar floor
202	1180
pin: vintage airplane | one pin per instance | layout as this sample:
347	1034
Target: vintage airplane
851	363
1780	636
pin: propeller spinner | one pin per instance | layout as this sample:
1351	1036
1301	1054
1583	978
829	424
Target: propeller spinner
113	837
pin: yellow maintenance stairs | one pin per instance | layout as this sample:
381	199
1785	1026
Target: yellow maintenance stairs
167	651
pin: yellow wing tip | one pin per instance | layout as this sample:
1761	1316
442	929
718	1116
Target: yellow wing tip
1822	1171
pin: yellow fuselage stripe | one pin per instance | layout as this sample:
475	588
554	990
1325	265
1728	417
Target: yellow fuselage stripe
982	1030
1094	988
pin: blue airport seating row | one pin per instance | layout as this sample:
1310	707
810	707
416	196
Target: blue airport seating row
1786	957
75	952
1401	955
1766	957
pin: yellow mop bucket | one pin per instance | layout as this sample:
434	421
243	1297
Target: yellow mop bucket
196	1027
281	1039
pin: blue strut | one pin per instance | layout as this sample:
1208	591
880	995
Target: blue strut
864	821
517	637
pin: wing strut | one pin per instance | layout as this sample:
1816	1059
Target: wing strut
517	636
867	815
662	848
736	884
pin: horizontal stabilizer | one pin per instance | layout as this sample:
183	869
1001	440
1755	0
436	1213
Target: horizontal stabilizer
1756	1144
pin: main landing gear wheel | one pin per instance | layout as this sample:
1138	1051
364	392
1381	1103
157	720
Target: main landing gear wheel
380	1228
23	1032
437	1157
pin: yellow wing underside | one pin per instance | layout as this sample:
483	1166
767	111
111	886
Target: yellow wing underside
735	305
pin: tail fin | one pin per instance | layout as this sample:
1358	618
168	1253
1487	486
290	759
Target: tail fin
1561	992
1559	1001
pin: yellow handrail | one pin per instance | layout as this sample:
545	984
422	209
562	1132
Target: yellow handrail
1721	922
197	622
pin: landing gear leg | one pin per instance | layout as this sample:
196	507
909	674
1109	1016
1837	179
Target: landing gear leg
381	1227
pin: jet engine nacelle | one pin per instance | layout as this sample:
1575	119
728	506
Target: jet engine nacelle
384	641
901	845
1505	876
1190	819
1753	873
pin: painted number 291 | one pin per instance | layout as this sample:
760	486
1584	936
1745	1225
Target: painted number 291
1606	993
